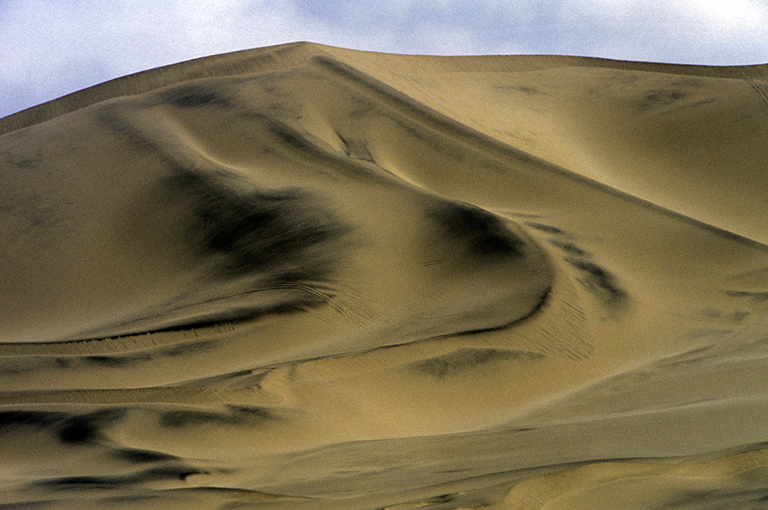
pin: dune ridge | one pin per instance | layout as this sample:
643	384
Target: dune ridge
310	277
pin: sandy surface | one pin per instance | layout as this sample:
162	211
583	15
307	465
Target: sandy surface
302	277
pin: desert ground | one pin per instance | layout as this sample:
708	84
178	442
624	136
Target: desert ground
305	277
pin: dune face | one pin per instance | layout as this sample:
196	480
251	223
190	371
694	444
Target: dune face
307	277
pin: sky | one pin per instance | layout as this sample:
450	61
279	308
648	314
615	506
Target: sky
49	48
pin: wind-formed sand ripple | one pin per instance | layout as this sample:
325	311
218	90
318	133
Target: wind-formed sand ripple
307	277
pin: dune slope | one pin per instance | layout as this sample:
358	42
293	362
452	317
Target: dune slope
308	277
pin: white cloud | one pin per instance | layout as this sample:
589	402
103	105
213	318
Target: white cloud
699	31
724	20
54	47
439	40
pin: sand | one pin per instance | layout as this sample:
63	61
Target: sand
304	277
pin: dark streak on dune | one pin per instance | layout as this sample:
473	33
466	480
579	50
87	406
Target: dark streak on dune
294	139
193	96
280	240
595	278
273	233
187	348
659	98
62	362
169	473
569	248
116	361
521	88
599	281
193	316
544	228
320	157
16	369
37	419
237	416
111	118
467	359
242	378
480	233
85	428
540	299
443	498
758	297
141	456
357	149
125	360
122	361
70	429
26	210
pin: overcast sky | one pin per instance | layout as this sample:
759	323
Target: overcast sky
49	48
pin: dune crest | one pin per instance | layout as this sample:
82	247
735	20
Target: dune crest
309	277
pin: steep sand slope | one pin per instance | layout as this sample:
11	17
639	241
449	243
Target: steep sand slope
308	277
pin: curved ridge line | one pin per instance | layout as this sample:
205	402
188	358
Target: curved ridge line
504	151
288	55
238	63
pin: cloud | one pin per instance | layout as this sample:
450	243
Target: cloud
716	32
52	47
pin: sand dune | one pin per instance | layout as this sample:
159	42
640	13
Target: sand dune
303	277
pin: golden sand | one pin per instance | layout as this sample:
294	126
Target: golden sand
303	277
